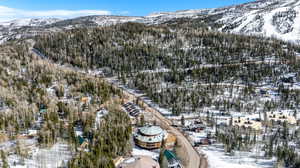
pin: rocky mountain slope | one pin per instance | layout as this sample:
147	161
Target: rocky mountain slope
271	18
278	18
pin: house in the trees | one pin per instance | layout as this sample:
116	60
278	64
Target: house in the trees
99	116
243	122
85	100
288	78
83	142
279	118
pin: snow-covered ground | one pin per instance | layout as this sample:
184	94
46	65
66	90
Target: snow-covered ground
215	153
217	158
142	152
56	156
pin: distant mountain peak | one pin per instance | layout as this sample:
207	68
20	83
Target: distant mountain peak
29	22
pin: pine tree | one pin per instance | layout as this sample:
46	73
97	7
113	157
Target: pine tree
161	157
182	121
142	120
4	160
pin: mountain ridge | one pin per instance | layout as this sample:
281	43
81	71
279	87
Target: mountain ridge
269	18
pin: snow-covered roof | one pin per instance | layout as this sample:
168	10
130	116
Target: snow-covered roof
101	113
282	116
151	130
150	134
247	123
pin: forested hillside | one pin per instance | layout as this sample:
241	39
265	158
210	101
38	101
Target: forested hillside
132	47
38	95
158	59
189	69
224	81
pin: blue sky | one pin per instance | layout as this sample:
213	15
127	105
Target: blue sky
11	9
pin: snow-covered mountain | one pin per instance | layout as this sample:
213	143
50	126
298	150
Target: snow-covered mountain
271	18
16	28
28	22
278	18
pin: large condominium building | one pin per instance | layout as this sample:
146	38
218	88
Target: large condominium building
151	137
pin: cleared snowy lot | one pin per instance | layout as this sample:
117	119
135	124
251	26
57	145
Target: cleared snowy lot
217	158
54	157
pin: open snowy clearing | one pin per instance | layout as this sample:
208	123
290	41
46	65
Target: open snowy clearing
55	157
218	158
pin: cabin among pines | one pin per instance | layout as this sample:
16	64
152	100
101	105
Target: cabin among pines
243	122
279	118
